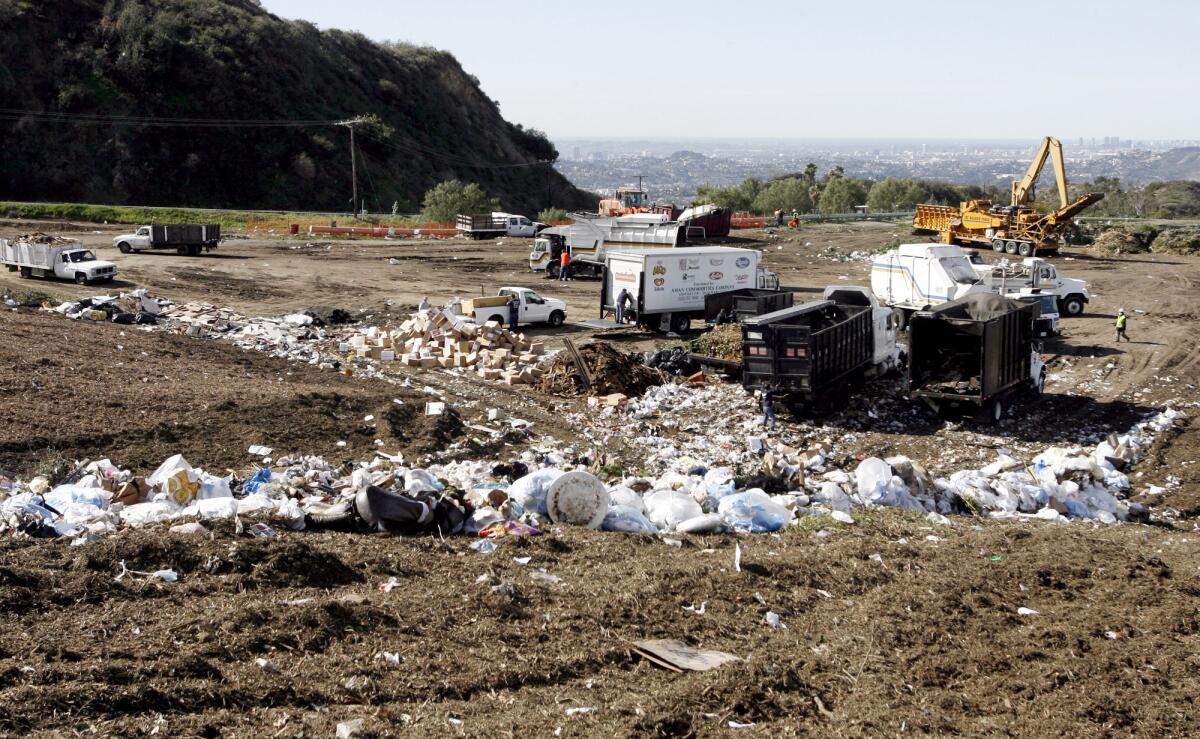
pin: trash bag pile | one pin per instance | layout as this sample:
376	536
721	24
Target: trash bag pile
132	308
672	360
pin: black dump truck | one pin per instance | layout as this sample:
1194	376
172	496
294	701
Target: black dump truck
186	238
976	354
746	302
813	354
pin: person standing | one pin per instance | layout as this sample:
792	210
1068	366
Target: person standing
423	305
564	266
622	297
779	216
514	307
1121	321
768	406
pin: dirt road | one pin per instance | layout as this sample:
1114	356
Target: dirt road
894	625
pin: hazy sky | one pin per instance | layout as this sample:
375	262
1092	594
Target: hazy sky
859	68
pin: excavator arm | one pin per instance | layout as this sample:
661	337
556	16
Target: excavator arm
1051	148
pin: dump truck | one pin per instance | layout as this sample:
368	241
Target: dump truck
745	302
189	239
668	287
533	308
39	255
1016	228
815	353
589	240
491	225
975	354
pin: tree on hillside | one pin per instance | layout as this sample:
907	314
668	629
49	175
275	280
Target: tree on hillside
790	194
896	193
738	198
1173	199
841	194
448	199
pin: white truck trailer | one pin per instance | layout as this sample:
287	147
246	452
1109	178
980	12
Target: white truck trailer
48	256
667	286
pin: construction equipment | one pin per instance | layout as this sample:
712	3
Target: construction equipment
1016	228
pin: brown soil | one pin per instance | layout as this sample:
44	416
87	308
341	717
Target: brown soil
73	389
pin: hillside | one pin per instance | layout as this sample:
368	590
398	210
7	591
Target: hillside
232	60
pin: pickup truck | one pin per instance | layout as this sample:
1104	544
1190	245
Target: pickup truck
533	309
188	239
48	256
491	225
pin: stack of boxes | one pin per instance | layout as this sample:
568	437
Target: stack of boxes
436	339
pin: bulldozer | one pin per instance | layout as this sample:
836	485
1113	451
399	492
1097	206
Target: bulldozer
1017	228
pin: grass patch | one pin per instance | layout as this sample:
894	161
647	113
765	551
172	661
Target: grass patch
31	298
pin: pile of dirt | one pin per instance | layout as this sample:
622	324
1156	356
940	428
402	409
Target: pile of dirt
723	342
612	372
1119	241
1177	241
407	424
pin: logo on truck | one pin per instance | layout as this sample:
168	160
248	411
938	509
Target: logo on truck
715	275
743	261
659	269
658	281
716	262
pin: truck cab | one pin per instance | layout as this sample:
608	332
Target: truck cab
82	266
136	241
1037	275
522	226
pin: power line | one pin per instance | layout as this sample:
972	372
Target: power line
417	148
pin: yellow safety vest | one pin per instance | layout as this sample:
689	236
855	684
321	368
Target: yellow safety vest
1121	322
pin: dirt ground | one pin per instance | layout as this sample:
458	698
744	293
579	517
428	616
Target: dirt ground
923	639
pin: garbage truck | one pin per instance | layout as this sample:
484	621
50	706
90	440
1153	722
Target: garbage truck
39	255
668	286
976	354
189	239
815	353
588	240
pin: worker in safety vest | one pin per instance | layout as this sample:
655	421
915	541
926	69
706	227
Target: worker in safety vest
514	306
564	266
1121	319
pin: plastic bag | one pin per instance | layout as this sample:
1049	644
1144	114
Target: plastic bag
709	523
753	511
623	496
627	520
256	481
666	508
530	491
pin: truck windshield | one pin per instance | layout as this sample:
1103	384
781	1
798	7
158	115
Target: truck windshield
1049	305
959	270
82	256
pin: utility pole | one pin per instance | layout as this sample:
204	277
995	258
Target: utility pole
353	166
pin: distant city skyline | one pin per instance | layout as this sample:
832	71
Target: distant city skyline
772	69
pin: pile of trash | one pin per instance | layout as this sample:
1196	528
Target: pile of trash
136	307
37	237
672	360
722	342
609	372
439	338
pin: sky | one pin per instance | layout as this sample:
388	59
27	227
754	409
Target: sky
765	68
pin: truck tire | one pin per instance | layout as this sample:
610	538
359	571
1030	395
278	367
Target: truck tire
998	245
193	250
1010	247
556	318
26	272
1072	305
124	247
81	278
1025	249
680	323
499	319
181	250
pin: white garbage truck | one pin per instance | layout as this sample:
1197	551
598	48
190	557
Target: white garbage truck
588	240
667	286
39	255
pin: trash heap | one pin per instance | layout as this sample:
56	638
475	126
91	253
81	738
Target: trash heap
136	307
437	338
610	372
722	342
554	485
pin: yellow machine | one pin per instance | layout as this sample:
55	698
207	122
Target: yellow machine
1017	228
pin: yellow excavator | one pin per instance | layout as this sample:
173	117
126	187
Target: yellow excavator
1017	228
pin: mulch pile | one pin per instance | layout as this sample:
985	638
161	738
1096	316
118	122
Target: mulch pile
723	342
612	372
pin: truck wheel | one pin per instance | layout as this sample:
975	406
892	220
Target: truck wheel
181	250
499	319
556	318
26	272
124	247
680	323
998	245
193	250
1025	249
996	411
81	278
1010	247
1072	305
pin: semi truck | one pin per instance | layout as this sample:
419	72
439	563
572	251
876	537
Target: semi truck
814	353
668	287
189	239
588	241
491	225
534	308
977	353
37	255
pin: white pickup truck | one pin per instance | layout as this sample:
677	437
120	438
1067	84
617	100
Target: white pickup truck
533	308
55	257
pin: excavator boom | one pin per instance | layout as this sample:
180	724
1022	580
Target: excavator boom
1051	148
